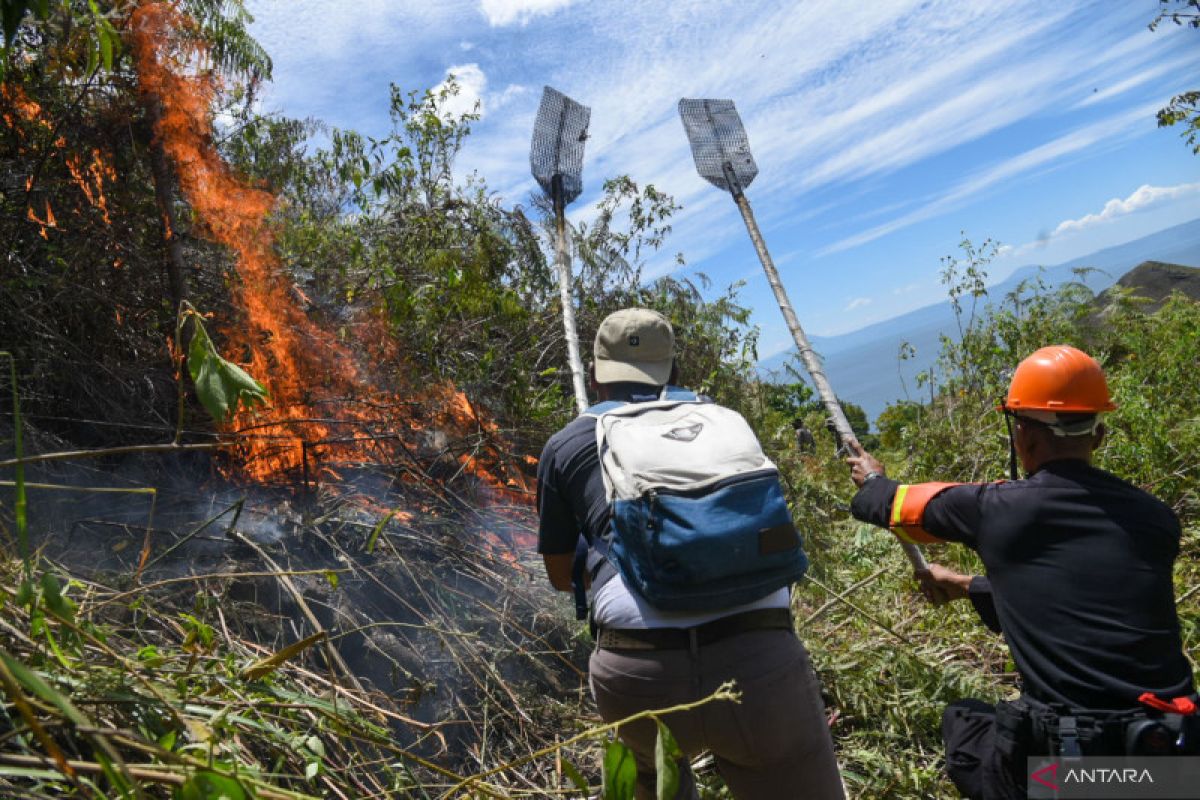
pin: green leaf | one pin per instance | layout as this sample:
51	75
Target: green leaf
666	762
150	657
620	772
220	384
93	60
576	777
25	593
106	46
34	683
62	607
332	577
206	785
378	529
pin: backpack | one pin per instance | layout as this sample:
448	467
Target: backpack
699	521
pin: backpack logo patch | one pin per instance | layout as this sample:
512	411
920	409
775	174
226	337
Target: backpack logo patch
686	434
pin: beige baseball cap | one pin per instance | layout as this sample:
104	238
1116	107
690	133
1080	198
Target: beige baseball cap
636	345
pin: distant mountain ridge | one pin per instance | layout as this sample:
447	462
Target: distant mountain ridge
863	365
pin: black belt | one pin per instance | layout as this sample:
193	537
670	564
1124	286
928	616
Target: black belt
691	638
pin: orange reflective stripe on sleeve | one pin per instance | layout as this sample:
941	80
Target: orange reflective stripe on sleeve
908	510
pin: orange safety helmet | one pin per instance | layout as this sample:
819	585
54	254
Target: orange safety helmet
1059	378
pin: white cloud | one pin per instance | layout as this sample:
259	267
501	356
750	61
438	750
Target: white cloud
858	302
1144	197
512	92
505	12
472	83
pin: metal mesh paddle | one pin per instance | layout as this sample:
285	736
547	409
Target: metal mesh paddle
718	138
556	160
722	154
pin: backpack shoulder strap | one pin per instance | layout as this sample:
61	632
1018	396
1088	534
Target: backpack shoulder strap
599	408
679	393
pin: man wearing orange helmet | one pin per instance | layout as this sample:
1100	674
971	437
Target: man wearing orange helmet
1079	581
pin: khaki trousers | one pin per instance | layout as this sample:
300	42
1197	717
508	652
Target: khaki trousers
774	745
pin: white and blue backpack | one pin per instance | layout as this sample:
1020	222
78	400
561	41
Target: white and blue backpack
699	521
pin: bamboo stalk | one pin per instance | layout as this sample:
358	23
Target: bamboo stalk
563	264
68	455
155	773
812	362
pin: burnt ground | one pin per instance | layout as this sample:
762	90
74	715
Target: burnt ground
438	611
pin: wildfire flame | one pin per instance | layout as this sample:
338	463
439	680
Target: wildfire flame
319	396
89	176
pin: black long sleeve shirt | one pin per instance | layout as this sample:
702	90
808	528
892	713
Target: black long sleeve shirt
1080	567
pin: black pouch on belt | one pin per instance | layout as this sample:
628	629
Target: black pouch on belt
1014	730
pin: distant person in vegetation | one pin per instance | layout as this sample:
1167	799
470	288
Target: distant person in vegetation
805	442
1079	567
776	742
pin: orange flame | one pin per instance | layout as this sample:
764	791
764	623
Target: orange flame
90	180
31	111
89	177
318	394
44	222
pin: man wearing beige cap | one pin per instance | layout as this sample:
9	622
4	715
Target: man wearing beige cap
775	743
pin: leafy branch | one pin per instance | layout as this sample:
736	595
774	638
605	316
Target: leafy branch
221	385
618	762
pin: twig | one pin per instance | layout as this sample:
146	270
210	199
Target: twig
158	773
1188	594
197	531
831	603
859	611
726	691
68	455
335	658
193	578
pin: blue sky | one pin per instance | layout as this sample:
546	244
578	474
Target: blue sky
881	129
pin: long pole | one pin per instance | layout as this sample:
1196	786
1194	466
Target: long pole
811	362
563	264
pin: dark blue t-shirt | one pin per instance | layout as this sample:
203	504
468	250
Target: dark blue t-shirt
570	487
1080	566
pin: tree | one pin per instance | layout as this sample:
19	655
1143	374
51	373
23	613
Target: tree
83	300
1184	107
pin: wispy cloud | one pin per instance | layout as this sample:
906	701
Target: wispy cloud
1039	157
1122	86
858	302
507	12
865	119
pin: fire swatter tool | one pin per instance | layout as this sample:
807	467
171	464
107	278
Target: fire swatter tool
721	151
556	159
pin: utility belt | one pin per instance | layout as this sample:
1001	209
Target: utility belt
695	637
1028	727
